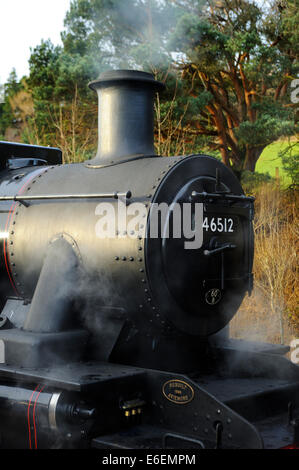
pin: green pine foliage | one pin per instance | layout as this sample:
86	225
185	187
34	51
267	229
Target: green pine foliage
246	56
227	65
7	117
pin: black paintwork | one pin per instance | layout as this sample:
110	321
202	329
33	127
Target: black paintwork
112	342
13	154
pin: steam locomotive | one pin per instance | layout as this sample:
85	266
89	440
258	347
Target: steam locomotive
121	341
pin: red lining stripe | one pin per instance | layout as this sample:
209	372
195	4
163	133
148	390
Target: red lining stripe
34	423
9	217
28	416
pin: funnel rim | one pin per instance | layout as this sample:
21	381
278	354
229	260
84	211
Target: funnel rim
111	77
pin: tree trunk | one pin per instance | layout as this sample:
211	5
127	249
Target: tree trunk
252	156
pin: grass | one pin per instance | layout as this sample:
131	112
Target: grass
270	160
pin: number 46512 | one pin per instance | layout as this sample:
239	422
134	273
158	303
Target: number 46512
218	224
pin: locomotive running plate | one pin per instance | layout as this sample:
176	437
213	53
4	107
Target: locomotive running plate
178	392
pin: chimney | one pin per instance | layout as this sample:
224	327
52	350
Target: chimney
126	115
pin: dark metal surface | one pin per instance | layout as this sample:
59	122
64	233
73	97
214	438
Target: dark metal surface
146	437
38	418
26	349
73	299
21	415
108	386
275	432
220	195
199	417
61	258
116	77
12	182
13	150
75	376
162	289
189	274
157	283
126	115
49	197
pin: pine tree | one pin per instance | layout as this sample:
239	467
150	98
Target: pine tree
238	61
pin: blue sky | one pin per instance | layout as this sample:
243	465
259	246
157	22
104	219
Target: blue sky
23	24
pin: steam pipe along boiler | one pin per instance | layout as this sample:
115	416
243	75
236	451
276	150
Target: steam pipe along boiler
115	341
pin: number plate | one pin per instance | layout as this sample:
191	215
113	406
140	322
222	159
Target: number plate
221	224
